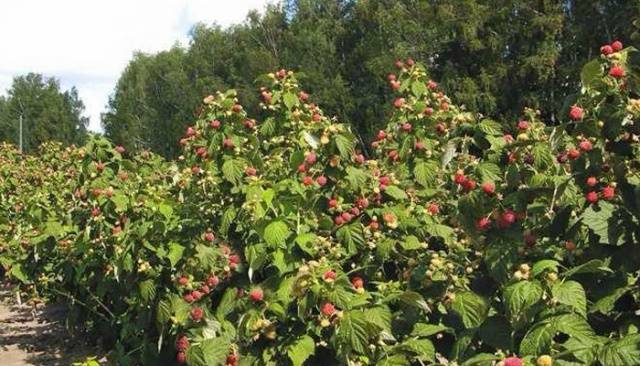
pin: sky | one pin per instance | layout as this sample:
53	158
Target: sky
87	43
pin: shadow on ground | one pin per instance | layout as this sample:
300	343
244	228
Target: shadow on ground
37	337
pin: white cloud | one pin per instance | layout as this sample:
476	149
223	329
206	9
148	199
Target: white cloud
88	43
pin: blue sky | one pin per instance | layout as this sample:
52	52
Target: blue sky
88	43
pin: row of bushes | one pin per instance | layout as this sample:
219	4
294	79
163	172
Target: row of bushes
273	240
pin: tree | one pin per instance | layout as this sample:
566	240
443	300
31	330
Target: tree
48	113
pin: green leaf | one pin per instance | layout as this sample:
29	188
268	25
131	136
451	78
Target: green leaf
423	348
396	193
489	172
17	273
356	177
592	266
175	253
599	219
306	242
147	290
490	127
542	156
232	170
591	74
623	352
496	332
195	356
215	351
481	359
543	265
300	351
427	330
351	236
538	339
354	331
426	172
471	307
345	146
276	233
418	88
571	293
121	201
521	295
290	100
411	243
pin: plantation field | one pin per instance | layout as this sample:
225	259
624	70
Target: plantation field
278	239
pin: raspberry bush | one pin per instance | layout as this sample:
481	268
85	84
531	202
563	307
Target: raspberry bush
276	239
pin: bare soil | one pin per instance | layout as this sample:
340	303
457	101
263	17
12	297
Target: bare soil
37	336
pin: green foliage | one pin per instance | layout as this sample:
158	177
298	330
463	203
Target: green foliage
286	246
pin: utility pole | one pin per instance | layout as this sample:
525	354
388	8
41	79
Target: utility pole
20	133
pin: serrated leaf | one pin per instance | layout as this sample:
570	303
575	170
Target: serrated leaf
232	170
521	295
489	172
426	172
301	350
290	100
471	307
418	88
571	293
175	253
423	348
276	233
623	352
599	220
396	193
215	351
427	330
543	265
345	146
411	242
538	340
147	290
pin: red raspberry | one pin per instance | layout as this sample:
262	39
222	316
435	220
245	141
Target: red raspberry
183	280
321	180
433	208
459	177
328	309
616	46
573	154
608	193
606	50
182	343
381	135
196	314
592	181
215	124
213	281
120	149
307	180
330	275
357	282
508	217
311	158
523	125
432	85
209	236
585	145
592	197
384	180
197	295
483	224
181	357
398	103
576	113
188	298
513	361
489	188
250	171
617	72
406	127
256	295
469	185
333	203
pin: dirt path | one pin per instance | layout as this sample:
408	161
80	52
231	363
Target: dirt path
36	338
